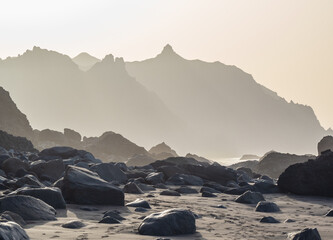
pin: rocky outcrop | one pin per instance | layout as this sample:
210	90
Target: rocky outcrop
12	120
9	141
313	177
111	146
326	143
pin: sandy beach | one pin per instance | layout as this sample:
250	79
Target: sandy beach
237	221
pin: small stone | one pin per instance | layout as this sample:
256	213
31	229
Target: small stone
269	220
75	224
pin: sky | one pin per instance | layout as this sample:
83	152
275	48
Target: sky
286	45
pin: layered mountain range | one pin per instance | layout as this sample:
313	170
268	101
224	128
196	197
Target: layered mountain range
212	109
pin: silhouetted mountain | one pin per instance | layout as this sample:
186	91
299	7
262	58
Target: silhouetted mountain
85	61
55	93
12	120
226	110
162	151
112	147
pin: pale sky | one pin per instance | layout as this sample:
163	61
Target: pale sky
287	45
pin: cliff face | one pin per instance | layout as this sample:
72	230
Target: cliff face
225	109
12	120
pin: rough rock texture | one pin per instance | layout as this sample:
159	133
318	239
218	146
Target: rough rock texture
168	223
264	206
132	188
310	178
109	172
185	179
51	170
269	220
82	186
12	231
138	203
29	208
51	196
75	224
250	197
305	234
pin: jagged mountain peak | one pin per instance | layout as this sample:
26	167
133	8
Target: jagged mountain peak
168	52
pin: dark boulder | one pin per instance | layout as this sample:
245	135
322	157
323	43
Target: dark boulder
12	165
305	234
186	190
138	203
58	152
53	169
269	220
109	220
208	194
113	214
109	172
82	186
13	217
155	178
169	171
132	188
12	231
264	206
310	178
329	213
29	208
51	196
169	193
250	197
168	223
28	180
74	224
185	179
208	189
265	186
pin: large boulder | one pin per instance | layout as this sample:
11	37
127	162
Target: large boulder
58	152
168	223
310	178
185	179
12	231
155	178
265	206
250	197
51	170
12	165
82	186
138	203
29	208
326	143
109	172
133	188
305	234
51	196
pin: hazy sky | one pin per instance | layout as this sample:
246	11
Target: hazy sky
286	45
